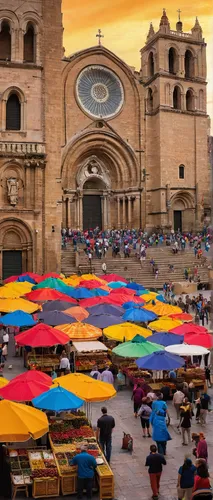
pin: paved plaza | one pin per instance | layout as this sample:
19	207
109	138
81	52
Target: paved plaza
131	476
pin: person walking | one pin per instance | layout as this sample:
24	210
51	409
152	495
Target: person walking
137	396
204	407
207	375
86	467
186	477
185	420
155	461
6	336
105	425
144	413
202	448
177	401
107	376
202	476
160	432
104	267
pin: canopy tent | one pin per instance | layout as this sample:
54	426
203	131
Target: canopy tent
17	318
10	305
80	331
136	349
139	315
20	422
125	331
166	338
187	350
26	386
160	360
55	318
106	309
42	335
86	388
90	346
103	320
58	399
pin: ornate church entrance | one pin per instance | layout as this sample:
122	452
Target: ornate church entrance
92	216
12	263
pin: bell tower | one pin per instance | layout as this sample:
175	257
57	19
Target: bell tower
173	72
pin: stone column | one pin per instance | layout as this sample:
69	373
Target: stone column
168	205
68	212
105	211
124	211
129	212
81	211
108	211
136	211
28	188
76	213
118	217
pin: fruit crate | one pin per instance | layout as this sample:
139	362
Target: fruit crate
46	487
105	480
69	484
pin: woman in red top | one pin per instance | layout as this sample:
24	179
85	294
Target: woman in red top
202	475
202	449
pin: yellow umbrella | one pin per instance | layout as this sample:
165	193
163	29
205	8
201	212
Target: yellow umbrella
15	290
164	325
125	332
147	297
80	331
3	382
86	388
89	277
73	280
10	305
162	309
19	422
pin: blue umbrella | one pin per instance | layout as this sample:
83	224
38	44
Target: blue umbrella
161	298
139	315
135	286
116	284
160	360
166	338
57	399
55	318
103	320
140	292
98	292
18	318
105	309
26	277
132	305
82	293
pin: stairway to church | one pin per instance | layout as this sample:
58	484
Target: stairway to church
130	267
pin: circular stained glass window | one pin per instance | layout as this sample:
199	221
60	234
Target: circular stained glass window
99	92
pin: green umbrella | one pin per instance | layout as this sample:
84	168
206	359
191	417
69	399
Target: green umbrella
55	283
136	348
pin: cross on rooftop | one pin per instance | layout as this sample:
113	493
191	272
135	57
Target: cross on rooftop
179	13
99	36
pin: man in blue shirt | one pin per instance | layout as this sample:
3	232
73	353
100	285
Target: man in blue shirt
86	468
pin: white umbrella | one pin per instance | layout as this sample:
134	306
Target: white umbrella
187	350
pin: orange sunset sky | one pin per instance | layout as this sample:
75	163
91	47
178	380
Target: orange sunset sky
125	24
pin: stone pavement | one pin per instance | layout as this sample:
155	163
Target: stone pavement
131	477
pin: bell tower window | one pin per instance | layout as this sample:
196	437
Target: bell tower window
189	64
151	66
150	101
190	106
13	113
29	44
173	61
181	172
177	98
5	42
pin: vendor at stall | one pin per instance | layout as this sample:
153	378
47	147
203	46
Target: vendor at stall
86	469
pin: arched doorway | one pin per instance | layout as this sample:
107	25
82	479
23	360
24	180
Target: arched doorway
92	203
183	211
16	248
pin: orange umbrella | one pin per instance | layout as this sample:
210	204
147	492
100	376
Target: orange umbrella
78	312
182	316
80	331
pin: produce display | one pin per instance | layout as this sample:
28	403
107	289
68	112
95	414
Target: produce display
70	431
43	362
87	361
194	373
42	464
20	467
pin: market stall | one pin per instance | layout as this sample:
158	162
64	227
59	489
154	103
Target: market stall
65	438
87	355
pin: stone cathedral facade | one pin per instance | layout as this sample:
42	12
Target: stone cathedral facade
87	141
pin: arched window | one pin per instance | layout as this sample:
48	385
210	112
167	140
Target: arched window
173	61
189	64
151	66
5	42
13	113
177	98
190	105
181	172
150	100
29	44
201	100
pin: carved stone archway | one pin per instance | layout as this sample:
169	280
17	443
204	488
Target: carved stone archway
16	236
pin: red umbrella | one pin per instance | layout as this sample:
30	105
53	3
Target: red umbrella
201	339
112	277
42	335
123	291
90	284
50	275
36	277
26	386
188	328
92	302
120	298
44	294
182	316
11	279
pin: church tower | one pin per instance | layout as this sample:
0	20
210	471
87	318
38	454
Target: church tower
30	136
173	72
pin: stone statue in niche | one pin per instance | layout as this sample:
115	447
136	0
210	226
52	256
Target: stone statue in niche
12	190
